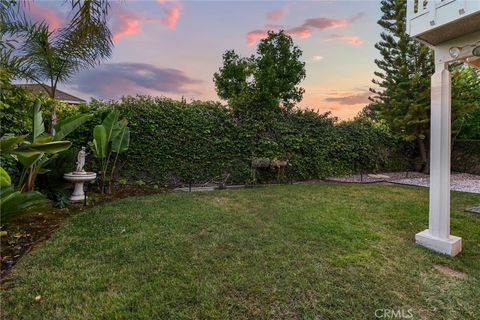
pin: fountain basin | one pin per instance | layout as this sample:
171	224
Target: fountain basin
79	178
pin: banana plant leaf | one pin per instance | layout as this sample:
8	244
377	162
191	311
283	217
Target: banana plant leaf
7	144
14	203
66	126
28	160
121	141
118	128
100	141
37	148
5	180
38	127
110	123
44	138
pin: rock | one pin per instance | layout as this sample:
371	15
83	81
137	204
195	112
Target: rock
379	176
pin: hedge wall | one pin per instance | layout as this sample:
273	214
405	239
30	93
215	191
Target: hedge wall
466	156
174	142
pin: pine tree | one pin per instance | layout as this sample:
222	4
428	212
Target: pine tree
402	95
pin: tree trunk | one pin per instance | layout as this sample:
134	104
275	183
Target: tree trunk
53	114
53	121
30	183
424	156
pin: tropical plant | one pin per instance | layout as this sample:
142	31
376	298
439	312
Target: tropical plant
110	137
49	57
35	153
14	203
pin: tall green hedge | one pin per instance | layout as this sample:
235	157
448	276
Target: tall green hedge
466	156
175	142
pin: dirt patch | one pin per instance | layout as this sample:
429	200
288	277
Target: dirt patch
27	231
450	272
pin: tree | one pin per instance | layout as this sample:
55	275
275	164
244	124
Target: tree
34	52
266	80
14	103
465	102
402	96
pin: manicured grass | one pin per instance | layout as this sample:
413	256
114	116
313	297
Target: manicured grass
319	251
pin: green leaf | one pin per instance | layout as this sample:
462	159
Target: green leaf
5	180
14	203
36	148
68	125
38	127
121	141
109	123
118	128
27	160
44	138
7	143
100	141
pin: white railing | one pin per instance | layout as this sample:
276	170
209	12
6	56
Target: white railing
417	8
425	15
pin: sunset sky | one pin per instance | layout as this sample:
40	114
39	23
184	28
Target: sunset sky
172	48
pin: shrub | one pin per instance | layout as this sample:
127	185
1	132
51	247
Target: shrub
175	142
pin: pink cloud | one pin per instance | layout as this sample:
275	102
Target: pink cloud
338	37
353	98
255	35
125	23
277	14
325	23
38	13
310	25
301	32
171	17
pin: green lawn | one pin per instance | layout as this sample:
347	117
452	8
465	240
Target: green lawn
313	251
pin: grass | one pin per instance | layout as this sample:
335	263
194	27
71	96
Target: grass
319	251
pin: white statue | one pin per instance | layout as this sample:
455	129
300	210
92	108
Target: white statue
81	160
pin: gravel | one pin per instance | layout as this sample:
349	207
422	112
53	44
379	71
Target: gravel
458	182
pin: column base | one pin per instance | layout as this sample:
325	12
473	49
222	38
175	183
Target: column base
451	246
77	198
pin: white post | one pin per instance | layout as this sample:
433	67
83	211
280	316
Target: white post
437	237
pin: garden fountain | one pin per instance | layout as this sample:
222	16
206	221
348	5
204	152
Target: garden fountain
79	177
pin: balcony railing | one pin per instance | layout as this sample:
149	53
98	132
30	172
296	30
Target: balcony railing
420	7
434	21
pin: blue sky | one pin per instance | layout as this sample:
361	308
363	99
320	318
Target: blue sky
172	48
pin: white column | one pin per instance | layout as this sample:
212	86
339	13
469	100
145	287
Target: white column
437	237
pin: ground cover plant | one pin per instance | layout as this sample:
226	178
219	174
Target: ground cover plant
310	251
